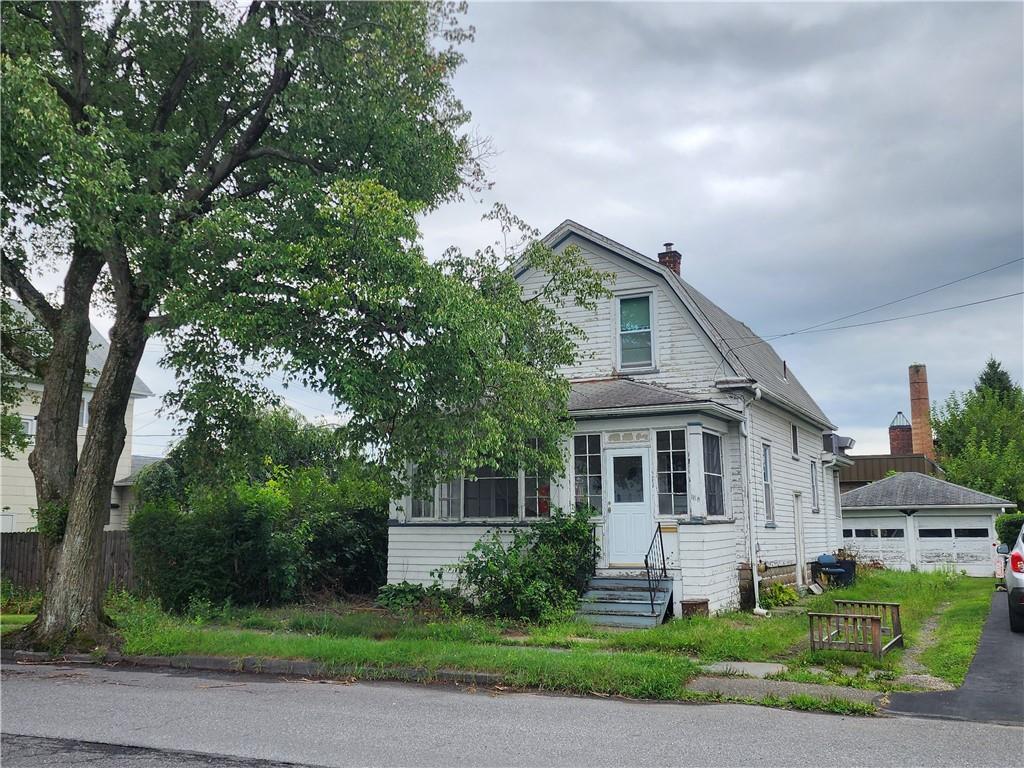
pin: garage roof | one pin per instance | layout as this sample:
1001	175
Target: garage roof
912	489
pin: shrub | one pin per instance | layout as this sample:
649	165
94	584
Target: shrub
775	595
15	599
535	573
1008	526
296	534
401	597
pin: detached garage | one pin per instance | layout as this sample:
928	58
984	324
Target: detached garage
910	519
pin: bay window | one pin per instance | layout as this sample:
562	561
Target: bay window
671	450
714	487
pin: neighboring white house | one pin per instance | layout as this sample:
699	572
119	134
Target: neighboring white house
686	422
911	519
17	487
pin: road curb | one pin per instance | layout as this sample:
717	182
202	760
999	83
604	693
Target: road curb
259	665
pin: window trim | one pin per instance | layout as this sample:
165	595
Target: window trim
617	329
768	482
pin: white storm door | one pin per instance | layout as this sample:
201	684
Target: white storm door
628	503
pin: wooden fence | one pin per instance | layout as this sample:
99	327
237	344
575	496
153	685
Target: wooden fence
860	628
21	561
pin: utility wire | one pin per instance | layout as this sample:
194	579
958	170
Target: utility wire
885	320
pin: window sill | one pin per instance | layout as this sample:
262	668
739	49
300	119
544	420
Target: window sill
638	370
796	457
482	523
716	520
770	525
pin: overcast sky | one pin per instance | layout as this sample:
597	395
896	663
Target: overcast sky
809	161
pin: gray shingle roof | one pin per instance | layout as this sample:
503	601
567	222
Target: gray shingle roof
99	348
621	393
748	353
139	463
909	490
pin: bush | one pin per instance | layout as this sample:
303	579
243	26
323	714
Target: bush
297	534
775	595
21	600
1008	526
537	575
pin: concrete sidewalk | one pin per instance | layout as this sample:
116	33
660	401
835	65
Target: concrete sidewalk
994	689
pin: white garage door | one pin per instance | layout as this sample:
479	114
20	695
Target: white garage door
963	542
883	539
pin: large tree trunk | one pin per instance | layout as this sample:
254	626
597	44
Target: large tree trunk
72	610
54	459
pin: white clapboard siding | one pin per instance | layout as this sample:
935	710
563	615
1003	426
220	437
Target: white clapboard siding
707	558
415	551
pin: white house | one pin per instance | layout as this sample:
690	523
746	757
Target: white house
911	519
688	427
17	486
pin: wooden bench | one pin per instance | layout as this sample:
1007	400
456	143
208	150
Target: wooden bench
861	626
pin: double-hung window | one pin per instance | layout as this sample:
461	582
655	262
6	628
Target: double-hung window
815	501
636	336
586	450
671	448
766	473
714	491
28	426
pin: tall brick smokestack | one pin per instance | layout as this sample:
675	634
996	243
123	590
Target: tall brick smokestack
901	441
920	411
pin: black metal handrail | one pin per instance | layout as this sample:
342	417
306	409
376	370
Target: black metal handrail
655	565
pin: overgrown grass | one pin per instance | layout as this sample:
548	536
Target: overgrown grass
956	637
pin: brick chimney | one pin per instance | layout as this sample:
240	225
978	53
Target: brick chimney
920	411
671	258
901	441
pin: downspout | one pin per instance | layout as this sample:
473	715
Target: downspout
745	429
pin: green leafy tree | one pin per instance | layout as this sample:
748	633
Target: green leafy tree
980	437
243	183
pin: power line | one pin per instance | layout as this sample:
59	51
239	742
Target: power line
884	320
877	306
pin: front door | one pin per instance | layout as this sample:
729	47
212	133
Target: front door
628	504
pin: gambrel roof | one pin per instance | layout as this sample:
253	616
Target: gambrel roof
748	354
910	490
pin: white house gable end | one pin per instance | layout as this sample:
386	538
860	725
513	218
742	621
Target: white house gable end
684	357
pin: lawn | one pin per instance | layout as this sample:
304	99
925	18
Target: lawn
571	656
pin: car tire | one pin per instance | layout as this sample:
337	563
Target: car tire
1016	619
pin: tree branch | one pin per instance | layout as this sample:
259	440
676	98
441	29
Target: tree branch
172	96
291	157
21	356
15	279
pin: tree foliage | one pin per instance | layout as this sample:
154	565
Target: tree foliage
995	378
243	182
980	437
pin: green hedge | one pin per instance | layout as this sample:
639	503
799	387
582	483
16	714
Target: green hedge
1008	527
298	534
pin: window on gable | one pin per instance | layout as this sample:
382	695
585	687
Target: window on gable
796	440
671	448
586	450
714	489
636	341
766	476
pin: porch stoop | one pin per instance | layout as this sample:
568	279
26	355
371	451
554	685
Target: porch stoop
625	601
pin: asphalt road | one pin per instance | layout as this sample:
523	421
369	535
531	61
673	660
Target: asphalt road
391	724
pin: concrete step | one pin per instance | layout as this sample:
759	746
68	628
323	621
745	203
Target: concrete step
619	607
619	582
614	620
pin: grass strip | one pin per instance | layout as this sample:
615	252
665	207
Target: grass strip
956	636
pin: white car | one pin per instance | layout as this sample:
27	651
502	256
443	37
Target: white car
1015	581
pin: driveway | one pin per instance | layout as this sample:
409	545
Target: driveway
994	689
180	719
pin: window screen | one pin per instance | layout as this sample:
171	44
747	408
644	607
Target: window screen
587	471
